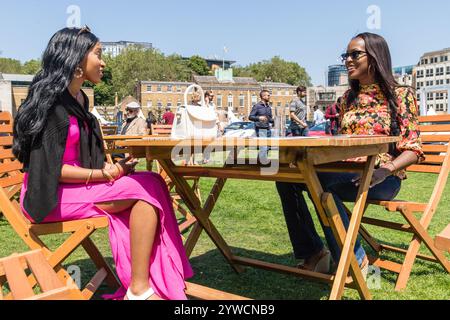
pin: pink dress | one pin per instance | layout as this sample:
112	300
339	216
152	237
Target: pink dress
169	266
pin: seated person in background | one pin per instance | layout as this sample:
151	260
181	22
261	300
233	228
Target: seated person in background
168	117
134	125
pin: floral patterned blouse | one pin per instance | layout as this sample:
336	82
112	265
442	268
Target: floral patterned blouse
369	115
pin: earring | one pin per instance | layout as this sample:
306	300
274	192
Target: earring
78	73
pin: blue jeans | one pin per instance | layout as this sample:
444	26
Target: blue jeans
263	151
304	238
299	132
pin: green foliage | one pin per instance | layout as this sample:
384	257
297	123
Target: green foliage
276	70
199	66
8	65
31	67
137	64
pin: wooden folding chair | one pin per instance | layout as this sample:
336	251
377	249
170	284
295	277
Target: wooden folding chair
109	130
161	130
44	280
11	180
5	129
442	240
435	138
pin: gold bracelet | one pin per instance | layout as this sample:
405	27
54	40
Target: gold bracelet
107	176
89	177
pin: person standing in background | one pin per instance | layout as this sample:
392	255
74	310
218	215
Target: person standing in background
298	112
262	116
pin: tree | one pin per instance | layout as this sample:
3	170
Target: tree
198	65
137	64
10	65
31	67
276	70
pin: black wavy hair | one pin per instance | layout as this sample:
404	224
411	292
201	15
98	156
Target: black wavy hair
65	51
380	62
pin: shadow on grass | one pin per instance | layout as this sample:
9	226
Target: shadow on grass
211	270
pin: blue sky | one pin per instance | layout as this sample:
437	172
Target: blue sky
312	33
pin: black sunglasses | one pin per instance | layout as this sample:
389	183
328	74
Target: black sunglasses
84	29
355	55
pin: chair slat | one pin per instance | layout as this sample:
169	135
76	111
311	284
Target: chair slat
6	128
11	166
442	240
435	137
431	159
424	168
435	128
440	118
11	181
6	141
17	279
434	148
43	272
6	154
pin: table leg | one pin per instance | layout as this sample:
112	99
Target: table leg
201	214
333	219
352	232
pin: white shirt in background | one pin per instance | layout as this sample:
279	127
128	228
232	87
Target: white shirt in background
318	117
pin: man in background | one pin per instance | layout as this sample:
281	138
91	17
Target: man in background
134	125
262	116
298	112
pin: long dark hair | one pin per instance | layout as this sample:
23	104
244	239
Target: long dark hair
380	62
65	51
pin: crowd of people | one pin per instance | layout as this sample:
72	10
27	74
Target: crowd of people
60	145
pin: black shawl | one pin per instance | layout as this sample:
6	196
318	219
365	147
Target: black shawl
46	158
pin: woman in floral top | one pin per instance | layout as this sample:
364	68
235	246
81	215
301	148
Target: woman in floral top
375	105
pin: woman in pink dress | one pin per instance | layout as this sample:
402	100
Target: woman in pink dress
59	142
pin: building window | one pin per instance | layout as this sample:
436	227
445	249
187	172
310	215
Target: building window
159	88
149	88
159	104
230	101
179	103
169	103
169	88
254	99
439	107
241	100
418	97
219	100
430	96
440	71
178	89
149	103
448	70
279	104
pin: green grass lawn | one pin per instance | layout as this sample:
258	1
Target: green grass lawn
248	215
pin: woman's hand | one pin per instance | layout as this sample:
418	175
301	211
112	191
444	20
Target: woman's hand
379	175
124	167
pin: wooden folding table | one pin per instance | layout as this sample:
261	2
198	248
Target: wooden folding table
299	161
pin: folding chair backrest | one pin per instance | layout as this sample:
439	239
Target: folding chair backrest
435	134
109	130
162	130
11	181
